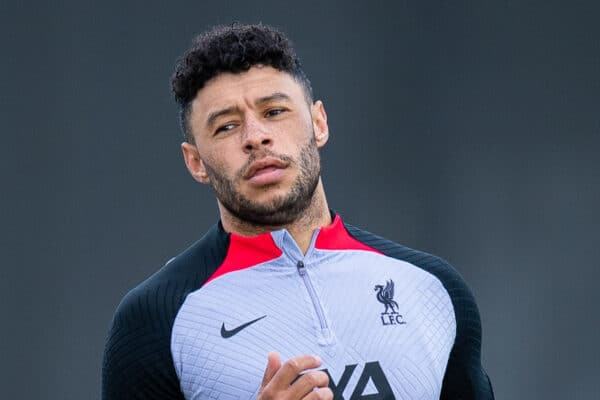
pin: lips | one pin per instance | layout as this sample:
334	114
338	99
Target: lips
264	166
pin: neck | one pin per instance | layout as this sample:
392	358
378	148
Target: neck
302	228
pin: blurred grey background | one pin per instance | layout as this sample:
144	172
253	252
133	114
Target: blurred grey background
467	129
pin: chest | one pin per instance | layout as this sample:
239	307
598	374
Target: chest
379	328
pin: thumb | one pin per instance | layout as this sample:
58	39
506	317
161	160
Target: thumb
273	365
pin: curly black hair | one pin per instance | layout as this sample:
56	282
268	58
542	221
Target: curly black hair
234	49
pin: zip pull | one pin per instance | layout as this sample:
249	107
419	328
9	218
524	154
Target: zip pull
301	268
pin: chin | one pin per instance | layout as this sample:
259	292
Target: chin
265	193
269	201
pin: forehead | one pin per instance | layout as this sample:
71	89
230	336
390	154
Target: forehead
228	89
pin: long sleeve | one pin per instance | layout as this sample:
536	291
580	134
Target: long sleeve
137	359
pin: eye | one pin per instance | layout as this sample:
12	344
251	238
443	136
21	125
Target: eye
225	128
274	112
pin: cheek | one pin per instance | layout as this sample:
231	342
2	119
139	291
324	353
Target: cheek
224	164
293	136
300	126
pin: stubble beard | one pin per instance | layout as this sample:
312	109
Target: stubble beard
281	210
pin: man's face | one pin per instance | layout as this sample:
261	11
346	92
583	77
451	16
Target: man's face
257	141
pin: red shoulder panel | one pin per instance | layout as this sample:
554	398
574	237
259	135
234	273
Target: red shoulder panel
245	252
336	237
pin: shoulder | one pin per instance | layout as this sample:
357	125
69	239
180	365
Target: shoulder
180	275
137	348
437	266
465	308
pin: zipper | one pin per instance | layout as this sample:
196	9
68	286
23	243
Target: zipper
315	300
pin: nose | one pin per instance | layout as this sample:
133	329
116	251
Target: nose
256	135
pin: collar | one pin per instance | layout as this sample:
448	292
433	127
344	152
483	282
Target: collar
247	251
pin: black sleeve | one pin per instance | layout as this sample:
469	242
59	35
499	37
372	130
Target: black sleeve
138	363
465	378
137	358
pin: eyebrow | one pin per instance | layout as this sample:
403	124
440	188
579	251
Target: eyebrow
213	116
274	96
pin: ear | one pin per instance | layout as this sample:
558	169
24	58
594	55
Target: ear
319	121
194	163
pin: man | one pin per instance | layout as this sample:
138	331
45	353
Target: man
333	311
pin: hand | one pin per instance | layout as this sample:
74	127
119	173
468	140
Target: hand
279	381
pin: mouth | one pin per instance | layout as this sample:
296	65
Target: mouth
265	170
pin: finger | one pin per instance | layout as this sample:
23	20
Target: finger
293	367
307	383
273	365
320	394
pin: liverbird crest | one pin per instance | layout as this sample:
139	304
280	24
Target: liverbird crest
385	295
